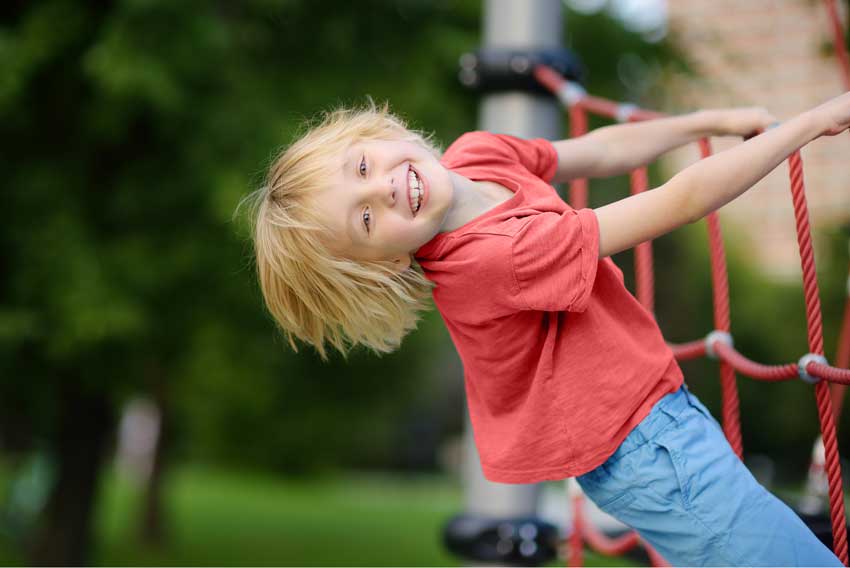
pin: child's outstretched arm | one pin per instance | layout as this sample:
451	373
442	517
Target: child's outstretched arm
620	148
711	183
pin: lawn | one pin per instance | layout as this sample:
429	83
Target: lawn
221	518
227	518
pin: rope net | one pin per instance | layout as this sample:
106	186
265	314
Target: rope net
829	381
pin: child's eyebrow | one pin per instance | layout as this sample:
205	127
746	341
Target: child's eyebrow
348	159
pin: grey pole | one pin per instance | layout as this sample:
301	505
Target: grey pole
517	24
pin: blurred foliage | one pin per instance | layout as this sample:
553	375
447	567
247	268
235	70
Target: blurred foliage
130	132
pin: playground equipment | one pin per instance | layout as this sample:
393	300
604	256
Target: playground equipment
503	540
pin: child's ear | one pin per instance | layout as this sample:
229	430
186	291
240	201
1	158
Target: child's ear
403	263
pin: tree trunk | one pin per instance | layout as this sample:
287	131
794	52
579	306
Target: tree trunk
153	531
86	422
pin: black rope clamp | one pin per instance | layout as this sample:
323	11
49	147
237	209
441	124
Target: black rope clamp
499	69
714	336
804	362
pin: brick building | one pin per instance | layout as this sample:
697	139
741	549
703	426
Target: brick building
777	54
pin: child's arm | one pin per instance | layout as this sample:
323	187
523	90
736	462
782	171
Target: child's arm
620	148
713	182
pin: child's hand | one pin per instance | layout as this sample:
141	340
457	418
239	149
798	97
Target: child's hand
744	121
833	116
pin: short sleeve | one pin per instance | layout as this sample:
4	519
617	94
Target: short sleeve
536	155
555	256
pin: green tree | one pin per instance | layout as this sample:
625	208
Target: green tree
130	131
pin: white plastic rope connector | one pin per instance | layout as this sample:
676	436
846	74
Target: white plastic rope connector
625	112
717	335
803	363
570	93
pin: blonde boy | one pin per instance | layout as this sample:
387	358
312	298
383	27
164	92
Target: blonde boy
566	374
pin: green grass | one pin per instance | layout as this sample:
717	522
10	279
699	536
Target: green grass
218	517
227	518
221	518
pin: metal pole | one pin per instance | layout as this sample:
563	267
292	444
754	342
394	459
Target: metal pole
525	24
516	24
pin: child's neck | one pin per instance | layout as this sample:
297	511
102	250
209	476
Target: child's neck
471	199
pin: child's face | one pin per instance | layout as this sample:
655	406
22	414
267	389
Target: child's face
371	200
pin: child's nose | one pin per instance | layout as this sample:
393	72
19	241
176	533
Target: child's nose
386	191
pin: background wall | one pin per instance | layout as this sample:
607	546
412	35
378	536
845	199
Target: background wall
777	54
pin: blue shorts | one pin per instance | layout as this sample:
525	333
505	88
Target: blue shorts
677	481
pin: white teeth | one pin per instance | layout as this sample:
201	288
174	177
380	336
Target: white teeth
415	190
413	180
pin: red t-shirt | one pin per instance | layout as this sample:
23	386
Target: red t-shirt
560	361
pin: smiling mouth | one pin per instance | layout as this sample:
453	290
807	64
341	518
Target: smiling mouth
414	191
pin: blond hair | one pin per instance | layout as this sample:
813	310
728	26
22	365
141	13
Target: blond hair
312	294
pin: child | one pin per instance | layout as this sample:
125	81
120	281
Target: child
565	373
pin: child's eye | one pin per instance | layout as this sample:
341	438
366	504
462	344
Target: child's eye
362	168
367	216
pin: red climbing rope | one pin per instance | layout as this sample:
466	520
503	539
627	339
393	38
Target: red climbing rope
553	81
601	543
748	367
644	273
571	95
831	374
687	351
576	540
584	532
722	322
579	103
814	325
